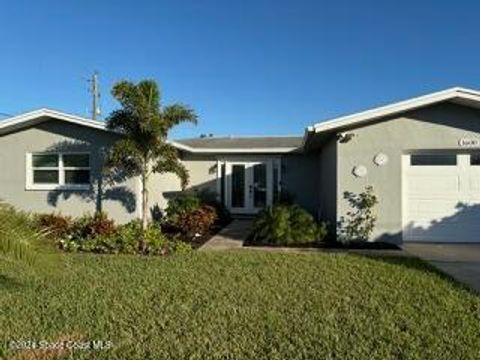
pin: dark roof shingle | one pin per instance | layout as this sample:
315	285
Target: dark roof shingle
243	142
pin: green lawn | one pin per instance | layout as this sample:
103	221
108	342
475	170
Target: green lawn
243	305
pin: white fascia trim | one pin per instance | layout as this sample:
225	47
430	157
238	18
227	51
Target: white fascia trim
233	150
33	115
405	105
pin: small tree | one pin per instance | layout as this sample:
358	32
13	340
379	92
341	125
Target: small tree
358	224
143	149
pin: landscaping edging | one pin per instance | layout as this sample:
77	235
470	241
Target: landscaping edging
377	252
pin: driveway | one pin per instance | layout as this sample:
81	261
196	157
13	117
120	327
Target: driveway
461	261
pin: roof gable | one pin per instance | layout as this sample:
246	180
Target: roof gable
41	115
207	145
457	95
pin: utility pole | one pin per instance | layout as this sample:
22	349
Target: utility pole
95	90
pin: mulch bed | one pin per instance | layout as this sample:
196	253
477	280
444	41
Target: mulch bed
200	240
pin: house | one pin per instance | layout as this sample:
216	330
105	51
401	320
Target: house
421	156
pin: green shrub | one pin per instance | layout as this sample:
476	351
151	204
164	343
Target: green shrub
156	243
99	234
125	240
69	245
358	224
128	237
180	247
182	204
304	226
286	225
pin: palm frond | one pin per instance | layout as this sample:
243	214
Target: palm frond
124	156
168	162
178	113
143	149
16	234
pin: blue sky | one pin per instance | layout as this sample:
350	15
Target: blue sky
247	67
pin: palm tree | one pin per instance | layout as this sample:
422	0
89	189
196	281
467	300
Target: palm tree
144	149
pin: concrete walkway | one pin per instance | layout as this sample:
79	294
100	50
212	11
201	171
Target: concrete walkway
231	236
461	261
234	234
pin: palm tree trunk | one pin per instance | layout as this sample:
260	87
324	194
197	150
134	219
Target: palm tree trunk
144	209
144	204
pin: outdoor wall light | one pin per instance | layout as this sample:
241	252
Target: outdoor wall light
359	171
344	137
380	159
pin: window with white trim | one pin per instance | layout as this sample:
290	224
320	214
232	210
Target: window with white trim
47	171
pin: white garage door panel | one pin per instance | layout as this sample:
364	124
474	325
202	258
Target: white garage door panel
435	207
442	203
474	183
439	185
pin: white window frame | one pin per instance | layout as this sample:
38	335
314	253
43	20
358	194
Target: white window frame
30	185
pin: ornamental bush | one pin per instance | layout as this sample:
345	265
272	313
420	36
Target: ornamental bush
194	214
359	223
55	226
197	222
287	225
91	226
99	234
181	204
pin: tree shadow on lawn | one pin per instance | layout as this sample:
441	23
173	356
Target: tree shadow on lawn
417	264
8	283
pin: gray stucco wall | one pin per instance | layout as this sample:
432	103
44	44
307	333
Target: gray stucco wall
327	197
119	201
300	179
202	171
432	128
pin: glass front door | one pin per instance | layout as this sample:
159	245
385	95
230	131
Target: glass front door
259	184
238	186
249	186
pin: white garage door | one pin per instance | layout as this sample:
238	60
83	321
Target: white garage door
441	197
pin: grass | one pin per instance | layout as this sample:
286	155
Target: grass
243	305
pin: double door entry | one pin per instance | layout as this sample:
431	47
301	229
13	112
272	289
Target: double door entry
248	185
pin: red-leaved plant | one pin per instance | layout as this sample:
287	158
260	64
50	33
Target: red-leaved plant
197	222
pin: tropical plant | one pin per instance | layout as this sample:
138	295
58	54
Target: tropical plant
88	226
359	223
287	225
181	204
209	197
91	226
124	240
143	149
196	222
56	226
17	234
